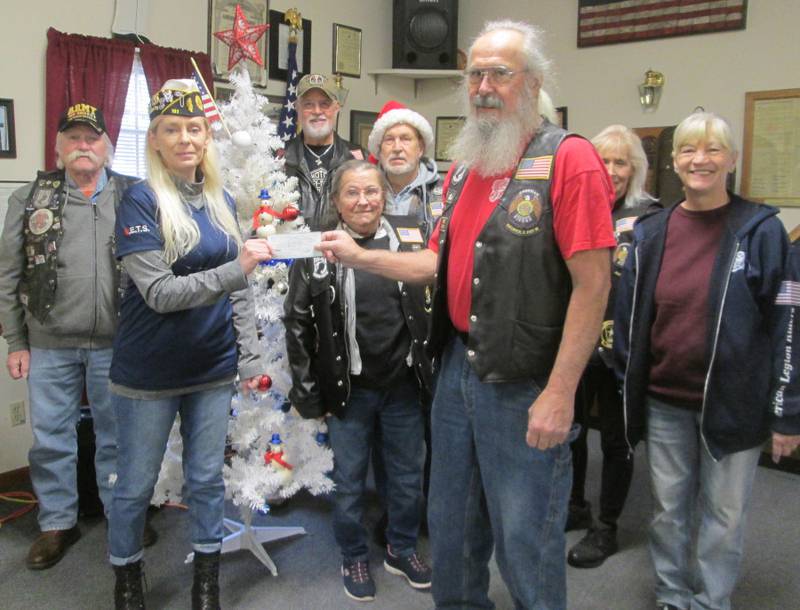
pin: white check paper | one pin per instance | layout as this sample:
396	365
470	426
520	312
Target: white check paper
295	245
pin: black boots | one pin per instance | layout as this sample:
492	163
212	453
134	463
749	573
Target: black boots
128	593
205	590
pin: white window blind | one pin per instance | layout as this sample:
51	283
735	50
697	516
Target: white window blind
129	152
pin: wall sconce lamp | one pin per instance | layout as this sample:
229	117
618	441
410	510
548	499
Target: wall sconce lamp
650	90
341	90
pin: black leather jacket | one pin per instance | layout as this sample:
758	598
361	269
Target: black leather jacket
520	283
317	340
315	205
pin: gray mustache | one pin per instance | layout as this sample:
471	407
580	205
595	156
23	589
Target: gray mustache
486	101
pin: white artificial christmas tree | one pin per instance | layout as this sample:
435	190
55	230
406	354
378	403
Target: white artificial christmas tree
276	452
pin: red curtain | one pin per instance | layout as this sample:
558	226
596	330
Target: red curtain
85	69
162	63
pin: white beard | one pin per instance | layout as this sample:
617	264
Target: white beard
492	145
318	133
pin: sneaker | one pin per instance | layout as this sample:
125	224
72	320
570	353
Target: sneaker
579	517
594	548
412	568
358	583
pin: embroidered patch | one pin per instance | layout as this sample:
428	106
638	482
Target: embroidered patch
789	294
42	198
409	235
534	168
624	224
320	270
458	175
738	262
40	221
135	229
524	213
607	334
621	255
498	188
437	208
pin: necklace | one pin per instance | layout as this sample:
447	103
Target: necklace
319	156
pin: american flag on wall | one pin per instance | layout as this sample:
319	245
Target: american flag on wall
287	124
611	21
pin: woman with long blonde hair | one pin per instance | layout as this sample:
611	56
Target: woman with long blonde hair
186	328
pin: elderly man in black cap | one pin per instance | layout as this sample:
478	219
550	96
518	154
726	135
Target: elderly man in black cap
318	150
58	308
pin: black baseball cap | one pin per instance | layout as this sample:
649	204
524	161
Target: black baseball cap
84	114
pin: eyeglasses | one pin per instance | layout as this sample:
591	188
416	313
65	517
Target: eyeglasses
372	195
499	75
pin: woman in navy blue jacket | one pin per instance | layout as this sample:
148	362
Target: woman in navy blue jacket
696	329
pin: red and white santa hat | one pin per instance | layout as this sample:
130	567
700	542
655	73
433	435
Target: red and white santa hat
394	113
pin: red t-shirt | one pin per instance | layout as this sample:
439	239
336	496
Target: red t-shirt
582	196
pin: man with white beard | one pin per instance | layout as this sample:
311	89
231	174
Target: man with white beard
317	151
520	260
59	302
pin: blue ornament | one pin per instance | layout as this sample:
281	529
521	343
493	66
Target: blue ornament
276	439
264	195
265	510
322	438
286	406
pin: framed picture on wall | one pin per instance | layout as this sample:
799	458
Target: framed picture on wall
447	128
561	115
223	93
8	139
279	46
361	122
220	18
346	50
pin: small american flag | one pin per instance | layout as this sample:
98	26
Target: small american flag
789	294
612	21
534	168
287	125
209	105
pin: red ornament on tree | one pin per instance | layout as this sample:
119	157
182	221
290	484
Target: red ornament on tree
264	383
242	39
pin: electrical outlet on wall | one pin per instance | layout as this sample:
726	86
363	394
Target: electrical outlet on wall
17	410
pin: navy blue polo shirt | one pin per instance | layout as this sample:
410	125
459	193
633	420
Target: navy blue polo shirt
154	351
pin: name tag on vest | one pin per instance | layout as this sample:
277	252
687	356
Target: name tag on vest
409	235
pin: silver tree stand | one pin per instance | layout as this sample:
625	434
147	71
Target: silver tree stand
246	536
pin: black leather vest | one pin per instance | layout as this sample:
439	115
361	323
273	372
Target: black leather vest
43	230
520	284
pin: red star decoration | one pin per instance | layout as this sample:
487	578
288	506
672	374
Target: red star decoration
242	39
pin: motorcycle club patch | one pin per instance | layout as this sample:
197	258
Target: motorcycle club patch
620	256
40	221
524	213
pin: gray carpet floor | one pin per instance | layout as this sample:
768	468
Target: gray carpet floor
308	565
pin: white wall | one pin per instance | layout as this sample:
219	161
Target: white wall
598	84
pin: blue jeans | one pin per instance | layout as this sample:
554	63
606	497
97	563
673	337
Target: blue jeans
144	427
490	489
685	478
398	412
55	387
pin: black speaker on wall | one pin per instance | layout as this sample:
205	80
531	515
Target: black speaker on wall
425	34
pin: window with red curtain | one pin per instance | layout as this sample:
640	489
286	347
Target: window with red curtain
97	71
